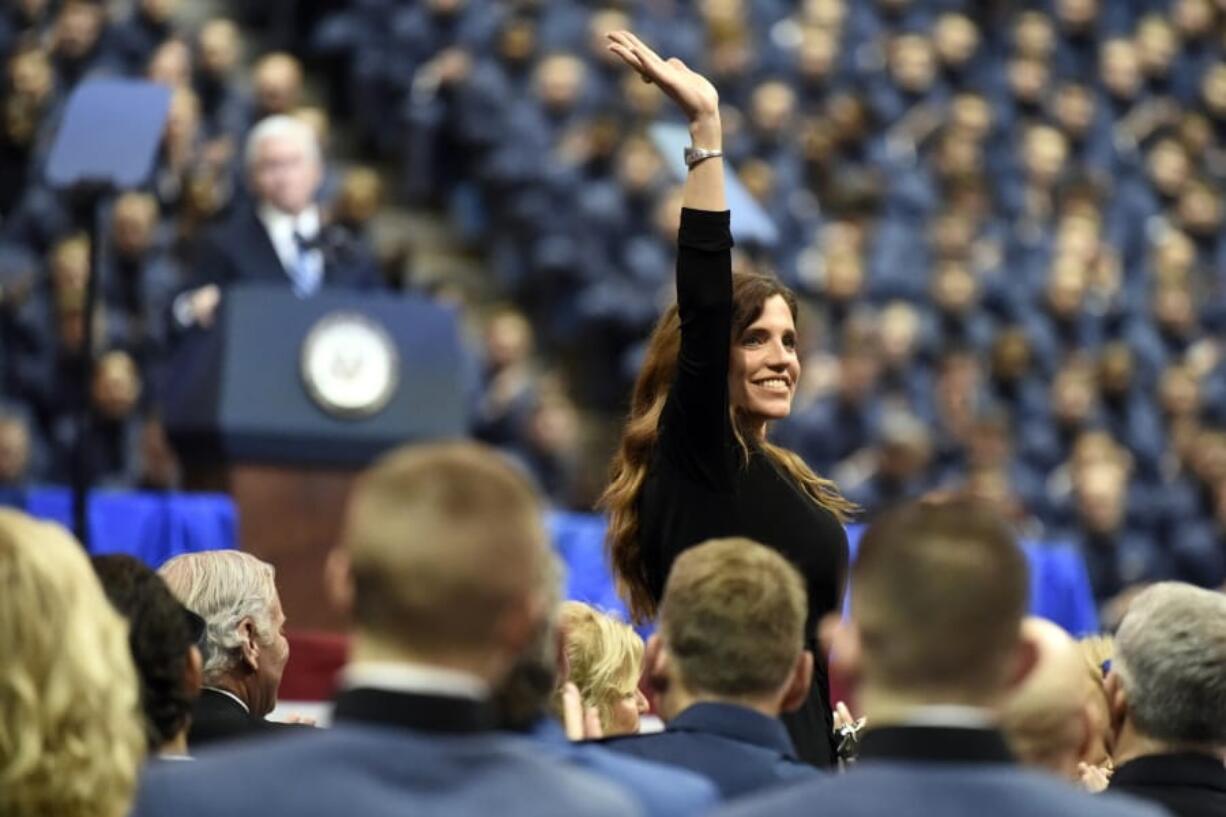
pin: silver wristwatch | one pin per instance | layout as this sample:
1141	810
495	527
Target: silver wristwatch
695	155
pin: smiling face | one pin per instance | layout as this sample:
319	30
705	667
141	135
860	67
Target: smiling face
764	366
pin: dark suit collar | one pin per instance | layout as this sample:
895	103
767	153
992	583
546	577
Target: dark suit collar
217	700
935	744
1177	769
424	713
736	723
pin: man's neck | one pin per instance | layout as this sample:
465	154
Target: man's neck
678	699
1131	744
889	709
175	747
368	650
232	686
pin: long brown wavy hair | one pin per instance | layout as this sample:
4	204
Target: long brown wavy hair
750	292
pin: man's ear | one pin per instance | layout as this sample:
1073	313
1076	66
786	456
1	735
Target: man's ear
655	664
797	690
1117	701
338	581
1025	657
250	643
193	672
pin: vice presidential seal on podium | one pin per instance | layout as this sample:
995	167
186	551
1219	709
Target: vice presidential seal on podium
350	366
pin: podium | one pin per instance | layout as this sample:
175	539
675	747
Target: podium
285	400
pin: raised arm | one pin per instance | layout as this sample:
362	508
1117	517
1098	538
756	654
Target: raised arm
695	430
698	100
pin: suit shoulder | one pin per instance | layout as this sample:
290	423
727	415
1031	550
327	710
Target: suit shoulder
661	787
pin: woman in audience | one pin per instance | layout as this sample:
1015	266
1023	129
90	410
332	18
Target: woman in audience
694	462
71	738
604	660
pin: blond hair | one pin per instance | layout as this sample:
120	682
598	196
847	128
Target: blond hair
604	655
442	541
71	728
733	618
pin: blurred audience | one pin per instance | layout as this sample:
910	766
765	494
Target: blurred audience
525	698
604	660
245	649
435	631
1168	699
729	657
924	572
71	741
165	639
1053	720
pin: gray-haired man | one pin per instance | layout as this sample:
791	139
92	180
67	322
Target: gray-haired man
1168	699
245	648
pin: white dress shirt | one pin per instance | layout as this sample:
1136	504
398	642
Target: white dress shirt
282	227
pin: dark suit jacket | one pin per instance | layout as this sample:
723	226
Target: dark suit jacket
239	251
927	771
389	754
1187	785
217	718
738	749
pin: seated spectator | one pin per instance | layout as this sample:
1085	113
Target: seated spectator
728	658
1050	720
281	236
933	645
245	647
434	630
164	637
72	741
604	660
1168	699
15	447
523	701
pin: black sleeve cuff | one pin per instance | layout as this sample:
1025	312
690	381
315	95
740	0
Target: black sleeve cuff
705	230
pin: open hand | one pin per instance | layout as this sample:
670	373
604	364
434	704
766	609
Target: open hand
692	92
581	722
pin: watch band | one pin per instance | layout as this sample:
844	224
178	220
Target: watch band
695	155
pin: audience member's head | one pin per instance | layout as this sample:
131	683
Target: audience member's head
164	637
284	164
71	741
220	45
441	560
277	82
732	630
236	595
116	386
1166	685
940	593
14	448
134	223
525	696
1049	720
604	660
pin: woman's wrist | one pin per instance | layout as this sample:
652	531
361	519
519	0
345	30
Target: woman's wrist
706	133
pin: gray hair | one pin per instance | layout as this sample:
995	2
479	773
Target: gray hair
281	126
1171	657
224	587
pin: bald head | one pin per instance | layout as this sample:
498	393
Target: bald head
445	543
1043	719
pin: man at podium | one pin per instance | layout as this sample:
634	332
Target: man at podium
280	234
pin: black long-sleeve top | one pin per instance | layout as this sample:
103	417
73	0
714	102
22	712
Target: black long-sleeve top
699	485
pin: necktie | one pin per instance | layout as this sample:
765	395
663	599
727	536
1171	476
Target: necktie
304	275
